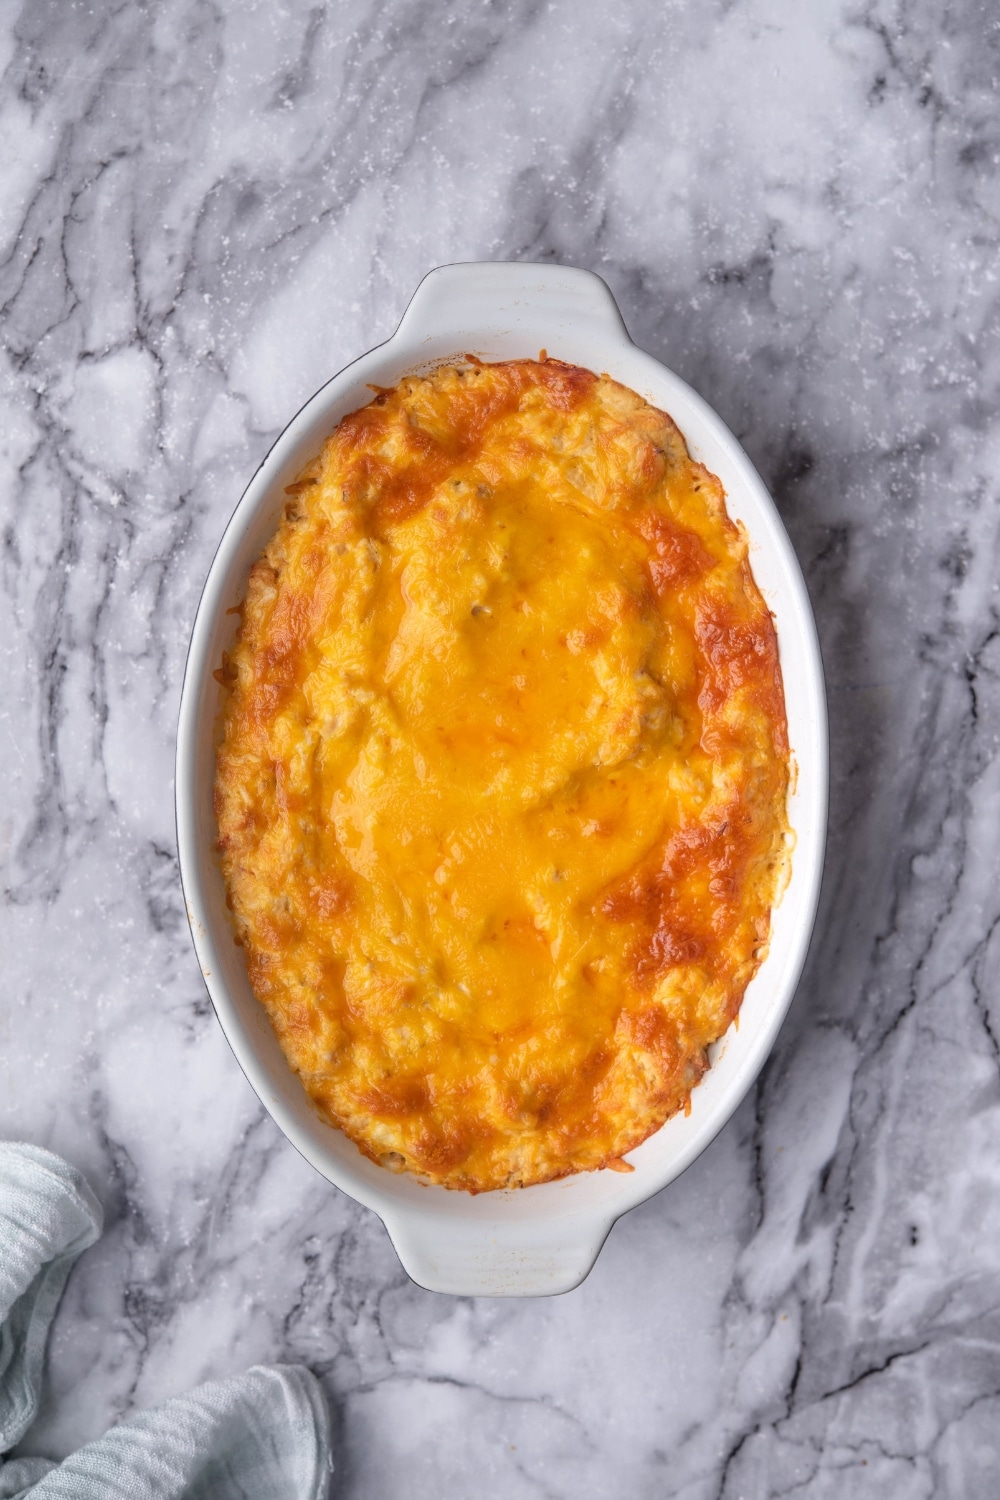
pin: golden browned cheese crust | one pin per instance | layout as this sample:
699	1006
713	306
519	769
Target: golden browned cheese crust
502	775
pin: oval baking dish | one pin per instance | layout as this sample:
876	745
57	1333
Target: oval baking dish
541	1239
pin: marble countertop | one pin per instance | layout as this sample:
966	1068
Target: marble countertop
208	208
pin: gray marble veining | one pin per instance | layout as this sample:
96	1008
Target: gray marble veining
206	209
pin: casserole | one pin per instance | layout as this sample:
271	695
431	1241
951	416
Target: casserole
543	1238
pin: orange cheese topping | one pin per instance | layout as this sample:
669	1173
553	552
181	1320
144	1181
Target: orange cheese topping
502	776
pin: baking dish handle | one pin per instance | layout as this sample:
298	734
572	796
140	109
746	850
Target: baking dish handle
479	1257
480	302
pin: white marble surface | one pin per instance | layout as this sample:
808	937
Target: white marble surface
207	208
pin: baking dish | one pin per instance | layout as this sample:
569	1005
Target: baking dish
541	1239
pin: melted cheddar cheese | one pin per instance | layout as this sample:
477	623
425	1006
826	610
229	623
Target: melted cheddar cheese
502	774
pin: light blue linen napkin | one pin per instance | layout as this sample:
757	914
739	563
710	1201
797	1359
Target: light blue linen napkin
264	1435
47	1216
258	1436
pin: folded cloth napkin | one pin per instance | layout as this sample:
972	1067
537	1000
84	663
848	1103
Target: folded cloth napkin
262	1434
47	1216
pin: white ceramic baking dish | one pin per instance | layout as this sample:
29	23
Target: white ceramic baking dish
540	1239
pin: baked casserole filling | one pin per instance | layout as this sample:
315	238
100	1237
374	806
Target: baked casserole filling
502	774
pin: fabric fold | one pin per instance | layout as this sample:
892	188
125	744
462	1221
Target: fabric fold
48	1215
255	1436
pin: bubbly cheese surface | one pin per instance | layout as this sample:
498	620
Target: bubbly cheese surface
502	775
